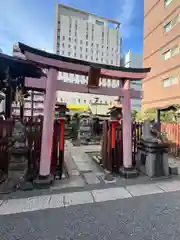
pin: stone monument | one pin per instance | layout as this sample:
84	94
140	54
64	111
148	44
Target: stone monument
19	139
152	157
85	131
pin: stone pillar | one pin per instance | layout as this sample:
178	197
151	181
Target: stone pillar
48	124
127	170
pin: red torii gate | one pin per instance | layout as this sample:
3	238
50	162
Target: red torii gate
55	63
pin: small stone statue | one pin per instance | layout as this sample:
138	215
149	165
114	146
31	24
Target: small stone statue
85	130
19	138
147	131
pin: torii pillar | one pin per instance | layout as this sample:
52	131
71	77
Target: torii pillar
47	131
127	170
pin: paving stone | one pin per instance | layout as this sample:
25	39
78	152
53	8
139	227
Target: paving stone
78	198
83	167
146	189
24	205
75	172
56	201
91	178
74	181
169	186
110	194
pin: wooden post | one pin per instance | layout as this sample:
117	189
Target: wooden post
8	103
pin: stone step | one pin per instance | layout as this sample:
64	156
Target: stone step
17	166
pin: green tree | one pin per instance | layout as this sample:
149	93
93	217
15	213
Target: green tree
134	114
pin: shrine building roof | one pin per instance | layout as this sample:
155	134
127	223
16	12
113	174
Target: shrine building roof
18	68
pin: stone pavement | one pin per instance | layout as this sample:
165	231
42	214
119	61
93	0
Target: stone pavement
86	173
150	217
61	200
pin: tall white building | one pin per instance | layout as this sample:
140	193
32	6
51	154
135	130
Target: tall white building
85	36
134	60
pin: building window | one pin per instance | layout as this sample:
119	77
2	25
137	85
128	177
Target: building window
69	53
74	54
86	50
171	52
102	35
69	39
80	55
111	61
171	24
63	38
81	49
175	50
86	43
81	41
69	45
170	81
167	54
167	27
167	2
99	23
63	45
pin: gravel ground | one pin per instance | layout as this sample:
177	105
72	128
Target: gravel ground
152	217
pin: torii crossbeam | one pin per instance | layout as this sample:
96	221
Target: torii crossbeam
55	63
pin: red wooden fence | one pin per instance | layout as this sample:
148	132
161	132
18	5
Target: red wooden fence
106	148
172	132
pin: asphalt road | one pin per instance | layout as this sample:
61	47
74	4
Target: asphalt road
152	217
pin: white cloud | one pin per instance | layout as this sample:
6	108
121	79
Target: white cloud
126	17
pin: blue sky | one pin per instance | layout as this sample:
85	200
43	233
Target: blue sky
32	21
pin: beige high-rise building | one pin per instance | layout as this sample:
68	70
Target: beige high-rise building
162	53
85	36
